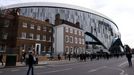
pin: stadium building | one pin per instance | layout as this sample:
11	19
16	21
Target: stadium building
100	32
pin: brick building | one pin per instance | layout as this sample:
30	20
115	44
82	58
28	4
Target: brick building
20	33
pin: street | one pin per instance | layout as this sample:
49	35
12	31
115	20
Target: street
113	66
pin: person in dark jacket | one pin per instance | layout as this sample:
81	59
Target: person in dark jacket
30	64
128	55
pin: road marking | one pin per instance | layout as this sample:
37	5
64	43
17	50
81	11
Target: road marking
39	67
15	70
55	71
93	70
122	71
122	64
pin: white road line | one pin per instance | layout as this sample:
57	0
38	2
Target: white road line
15	70
93	70
55	71
39	67
122	71
124	63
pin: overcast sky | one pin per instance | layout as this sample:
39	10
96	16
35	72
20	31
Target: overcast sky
120	11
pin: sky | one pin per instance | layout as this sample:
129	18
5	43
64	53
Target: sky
120	11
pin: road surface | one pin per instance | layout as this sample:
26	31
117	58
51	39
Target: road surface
113	66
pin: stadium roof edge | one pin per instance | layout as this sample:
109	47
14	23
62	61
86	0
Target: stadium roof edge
52	4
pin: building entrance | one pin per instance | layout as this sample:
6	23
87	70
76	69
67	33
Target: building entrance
38	48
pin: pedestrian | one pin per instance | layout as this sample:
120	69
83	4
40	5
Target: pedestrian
1	58
59	57
36	58
69	56
26	58
128	55
23	57
30	64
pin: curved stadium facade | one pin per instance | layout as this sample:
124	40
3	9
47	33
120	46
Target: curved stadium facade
100	31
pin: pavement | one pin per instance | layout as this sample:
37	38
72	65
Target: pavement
48	62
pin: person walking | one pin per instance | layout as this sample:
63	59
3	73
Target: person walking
59	57
69	56
128	55
1	58
30	64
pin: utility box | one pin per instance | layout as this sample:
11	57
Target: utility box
11	59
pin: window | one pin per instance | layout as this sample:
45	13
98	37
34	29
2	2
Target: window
49	39
49	48
32	26
44	29
79	32
5	35
38	28
71	39
71	50
83	49
83	42
66	50
44	48
75	32
44	37
76	41
23	35
67	38
82	33
80	50
50	30
66	29
31	35
24	25
71	30
1	48
6	23
79	40
38	37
